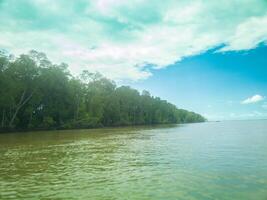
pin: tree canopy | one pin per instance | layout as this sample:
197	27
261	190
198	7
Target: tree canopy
37	94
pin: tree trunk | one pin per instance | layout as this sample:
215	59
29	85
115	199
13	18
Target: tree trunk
21	103
77	109
3	119
30	121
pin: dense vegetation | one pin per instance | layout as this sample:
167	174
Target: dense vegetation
37	94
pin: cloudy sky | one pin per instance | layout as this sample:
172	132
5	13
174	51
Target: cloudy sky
202	55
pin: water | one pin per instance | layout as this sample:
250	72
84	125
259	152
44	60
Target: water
225	160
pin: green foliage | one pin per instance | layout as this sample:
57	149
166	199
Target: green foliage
37	94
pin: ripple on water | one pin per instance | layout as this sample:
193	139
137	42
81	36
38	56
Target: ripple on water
226	160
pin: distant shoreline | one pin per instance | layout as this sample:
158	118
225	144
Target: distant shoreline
235	120
103	127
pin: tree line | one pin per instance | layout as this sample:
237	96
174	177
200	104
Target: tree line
37	94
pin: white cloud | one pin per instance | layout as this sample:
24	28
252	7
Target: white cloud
127	35
254	99
248	34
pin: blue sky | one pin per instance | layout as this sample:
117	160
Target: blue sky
206	56
215	84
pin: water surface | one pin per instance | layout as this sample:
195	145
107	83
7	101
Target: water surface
225	160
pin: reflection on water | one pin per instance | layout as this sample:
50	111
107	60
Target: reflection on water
226	160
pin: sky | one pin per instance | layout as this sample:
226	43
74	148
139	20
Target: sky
206	56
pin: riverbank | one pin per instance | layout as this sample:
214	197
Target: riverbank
6	131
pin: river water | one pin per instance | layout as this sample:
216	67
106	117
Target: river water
213	160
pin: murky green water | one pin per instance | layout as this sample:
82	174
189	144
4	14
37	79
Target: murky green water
226	160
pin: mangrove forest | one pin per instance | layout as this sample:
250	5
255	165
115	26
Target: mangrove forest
37	94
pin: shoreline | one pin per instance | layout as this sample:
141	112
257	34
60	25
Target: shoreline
6	131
